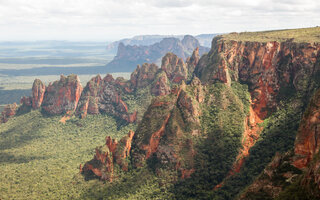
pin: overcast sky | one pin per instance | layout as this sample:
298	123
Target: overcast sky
107	20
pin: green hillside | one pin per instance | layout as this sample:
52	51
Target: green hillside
297	35
40	156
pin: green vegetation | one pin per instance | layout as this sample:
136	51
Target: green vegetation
40	156
224	113
278	135
137	184
296	35
304	186
138	101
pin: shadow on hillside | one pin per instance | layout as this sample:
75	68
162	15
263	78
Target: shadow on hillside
7	158
132	183
13	138
278	136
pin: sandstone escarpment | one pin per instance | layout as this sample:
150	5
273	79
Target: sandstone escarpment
113	153
286	168
272	70
269	68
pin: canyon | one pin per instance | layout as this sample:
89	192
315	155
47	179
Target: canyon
238	122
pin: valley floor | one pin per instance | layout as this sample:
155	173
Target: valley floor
41	160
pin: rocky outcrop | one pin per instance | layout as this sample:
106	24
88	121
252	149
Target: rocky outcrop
174	67
143	75
8	112
193	61
26	101
268	68
103	96
38	90
161	85
164	135
129	56
107	156
62	96
35	101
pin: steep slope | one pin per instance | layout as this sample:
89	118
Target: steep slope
294	174
239	122
170	98
208	140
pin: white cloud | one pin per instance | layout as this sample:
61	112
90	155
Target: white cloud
111	19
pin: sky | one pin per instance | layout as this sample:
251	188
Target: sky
108	20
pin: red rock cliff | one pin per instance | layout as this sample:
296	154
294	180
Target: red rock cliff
62	96
103	95
265	67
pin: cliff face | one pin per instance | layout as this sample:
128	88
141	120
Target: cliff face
204	131
298	168
272	71
62	96
165	138
268	68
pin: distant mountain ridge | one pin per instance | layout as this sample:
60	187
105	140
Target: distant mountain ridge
129	56
204	40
